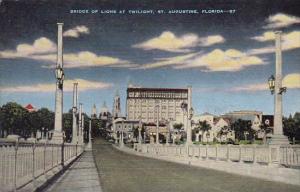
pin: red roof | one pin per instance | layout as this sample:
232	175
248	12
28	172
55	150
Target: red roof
29	106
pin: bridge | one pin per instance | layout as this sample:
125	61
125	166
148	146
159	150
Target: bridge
145	167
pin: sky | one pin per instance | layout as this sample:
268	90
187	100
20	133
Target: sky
223	49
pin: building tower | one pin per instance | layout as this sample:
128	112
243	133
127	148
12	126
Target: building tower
94	112
117	106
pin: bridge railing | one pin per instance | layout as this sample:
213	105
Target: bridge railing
285	155
22	162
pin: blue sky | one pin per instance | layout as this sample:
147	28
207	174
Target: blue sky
227	58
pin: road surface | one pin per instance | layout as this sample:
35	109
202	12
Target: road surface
121	172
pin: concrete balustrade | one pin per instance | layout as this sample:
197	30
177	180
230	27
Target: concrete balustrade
288	156
23	162
270	162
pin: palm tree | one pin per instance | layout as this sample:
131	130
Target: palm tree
204	127
196	131
224	132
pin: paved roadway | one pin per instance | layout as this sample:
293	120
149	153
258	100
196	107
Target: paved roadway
120	172
82	176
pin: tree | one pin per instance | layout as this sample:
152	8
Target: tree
67	125
204	127
243	130
291	127
178	126
43	118
224	132
266	129
14	119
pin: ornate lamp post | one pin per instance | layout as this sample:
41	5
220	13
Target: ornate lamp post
275	85
189	130
122	135
140	131
59	72
74	112
89	145
157	123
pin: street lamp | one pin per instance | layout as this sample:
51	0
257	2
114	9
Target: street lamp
151	137
271	82
157	124
191	113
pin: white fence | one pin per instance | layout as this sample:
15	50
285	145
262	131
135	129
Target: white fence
21	163
287	155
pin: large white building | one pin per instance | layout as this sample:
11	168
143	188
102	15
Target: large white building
150	104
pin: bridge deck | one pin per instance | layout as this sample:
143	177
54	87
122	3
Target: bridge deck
123	172
82	176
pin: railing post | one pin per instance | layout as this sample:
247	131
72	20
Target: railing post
217	147
240	154
16	159
33	163
206	148
76	150
45	145
52	150
254	154
62	153
227	155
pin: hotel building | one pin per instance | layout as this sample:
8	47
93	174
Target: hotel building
148	104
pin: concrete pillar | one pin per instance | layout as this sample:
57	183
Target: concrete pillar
74	112
82	129
89	145
278	137
79	123
122	135
189	128
157	124
140	135
58	135
197	137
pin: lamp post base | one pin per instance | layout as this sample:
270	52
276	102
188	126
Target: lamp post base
89	147
57	137
279	140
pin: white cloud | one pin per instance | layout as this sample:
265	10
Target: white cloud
291	81
290	41
83	85
281	20
168	41
40	46
219	60
76	31
211	40
216	60
171	61
84	59
44	49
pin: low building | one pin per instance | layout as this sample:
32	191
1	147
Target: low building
120	125
254	116
30	108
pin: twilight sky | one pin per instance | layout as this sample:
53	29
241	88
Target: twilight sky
226	57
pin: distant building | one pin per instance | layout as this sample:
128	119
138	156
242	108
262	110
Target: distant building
121	124
30	108
94	112
209	118
104	113
268	120
216	124
116	112
148	104
254	116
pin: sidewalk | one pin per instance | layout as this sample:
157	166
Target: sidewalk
82	176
